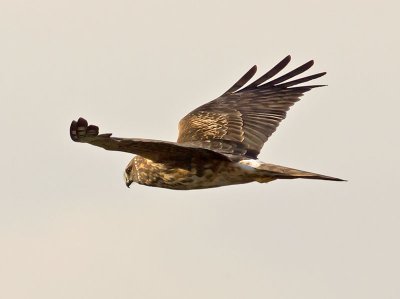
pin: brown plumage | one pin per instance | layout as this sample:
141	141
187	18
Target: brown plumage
218	142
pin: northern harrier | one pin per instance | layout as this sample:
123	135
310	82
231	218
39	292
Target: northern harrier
218	142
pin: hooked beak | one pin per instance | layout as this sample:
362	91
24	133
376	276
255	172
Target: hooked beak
128	183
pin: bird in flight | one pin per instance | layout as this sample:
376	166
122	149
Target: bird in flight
218	142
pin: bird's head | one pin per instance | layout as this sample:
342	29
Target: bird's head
128	181
130	174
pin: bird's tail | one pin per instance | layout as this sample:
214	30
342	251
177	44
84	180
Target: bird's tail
273	172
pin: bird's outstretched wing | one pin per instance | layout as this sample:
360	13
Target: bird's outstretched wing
241	120
158	151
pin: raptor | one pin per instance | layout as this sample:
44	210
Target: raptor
218	142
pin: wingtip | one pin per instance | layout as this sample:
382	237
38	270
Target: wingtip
81	128
92	130
309	63
252	71
82	122
284	62
73	129
288	58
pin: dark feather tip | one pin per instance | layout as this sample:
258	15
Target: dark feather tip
82	122
72	130
92	130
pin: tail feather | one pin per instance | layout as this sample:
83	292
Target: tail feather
281	172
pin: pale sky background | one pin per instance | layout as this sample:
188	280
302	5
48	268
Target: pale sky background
69	228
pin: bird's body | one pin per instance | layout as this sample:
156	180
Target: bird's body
211	174
199	175
218	142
